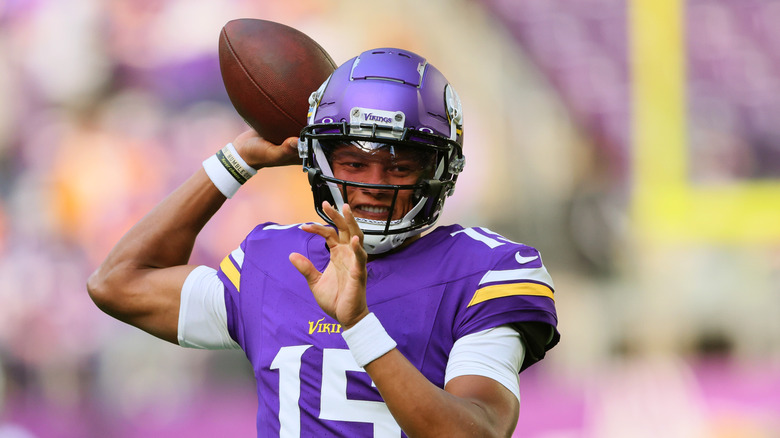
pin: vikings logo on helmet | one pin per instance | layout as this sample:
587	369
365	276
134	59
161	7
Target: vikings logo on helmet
386	98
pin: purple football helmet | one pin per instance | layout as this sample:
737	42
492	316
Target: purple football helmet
386	98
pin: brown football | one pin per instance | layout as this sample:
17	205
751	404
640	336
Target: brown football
269	70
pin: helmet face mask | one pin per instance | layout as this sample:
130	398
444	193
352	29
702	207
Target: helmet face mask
384	106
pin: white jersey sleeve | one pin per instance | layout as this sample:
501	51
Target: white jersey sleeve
202	312
496	353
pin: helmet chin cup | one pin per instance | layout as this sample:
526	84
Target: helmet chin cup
378	244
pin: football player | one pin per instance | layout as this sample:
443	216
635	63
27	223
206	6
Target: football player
374	323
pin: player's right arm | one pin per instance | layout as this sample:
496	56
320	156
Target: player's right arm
140	280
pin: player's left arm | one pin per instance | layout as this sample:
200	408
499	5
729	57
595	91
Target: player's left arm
468	406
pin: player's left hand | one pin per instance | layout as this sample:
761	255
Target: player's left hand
340	290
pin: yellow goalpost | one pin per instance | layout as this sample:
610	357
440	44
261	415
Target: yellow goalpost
667	206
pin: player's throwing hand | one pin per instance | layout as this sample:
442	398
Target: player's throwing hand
340	290
259	152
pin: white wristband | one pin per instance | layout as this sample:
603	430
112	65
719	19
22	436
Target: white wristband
238	163
227	170
221	177
368	340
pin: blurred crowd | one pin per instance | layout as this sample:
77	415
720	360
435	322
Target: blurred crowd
106	106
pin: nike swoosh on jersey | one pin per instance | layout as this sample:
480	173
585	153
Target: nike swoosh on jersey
523	260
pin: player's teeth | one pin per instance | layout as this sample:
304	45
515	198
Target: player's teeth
375	209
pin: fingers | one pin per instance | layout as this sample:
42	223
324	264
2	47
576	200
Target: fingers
346	227
360	252
305	267
285	153
345	222
323	230
335	216
331	236
250	135
291	142
259	152
289	150
352	225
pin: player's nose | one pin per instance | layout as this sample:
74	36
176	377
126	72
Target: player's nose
376	174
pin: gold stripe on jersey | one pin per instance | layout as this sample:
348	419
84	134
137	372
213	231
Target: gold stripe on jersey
512	289
229	269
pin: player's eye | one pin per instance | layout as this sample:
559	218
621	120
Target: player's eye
350	164
402	169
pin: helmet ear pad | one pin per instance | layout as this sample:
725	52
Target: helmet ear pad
321	191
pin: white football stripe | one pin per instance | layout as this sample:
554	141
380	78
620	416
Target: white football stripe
539	275
490	242
489	231
238	256
280	227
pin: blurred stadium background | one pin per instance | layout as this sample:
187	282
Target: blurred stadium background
635	143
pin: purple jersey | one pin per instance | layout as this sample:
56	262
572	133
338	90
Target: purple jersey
447	284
